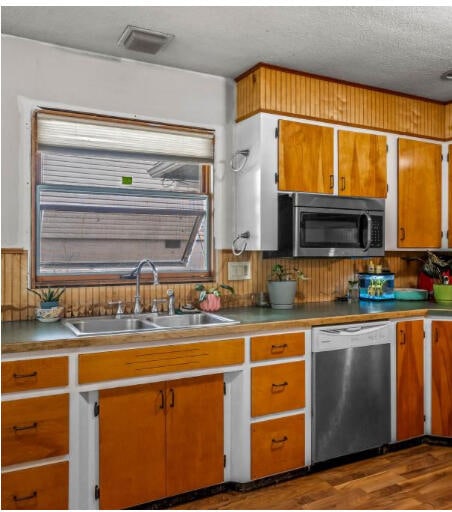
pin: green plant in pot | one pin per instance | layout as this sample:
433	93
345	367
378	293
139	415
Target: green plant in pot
49	307
49	297
210	298
282	286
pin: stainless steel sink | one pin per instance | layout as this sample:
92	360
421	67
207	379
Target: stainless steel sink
191	320
143	322
108	325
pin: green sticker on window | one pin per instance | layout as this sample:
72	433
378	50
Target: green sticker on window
127	180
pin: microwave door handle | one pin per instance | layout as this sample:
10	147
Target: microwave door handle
369	231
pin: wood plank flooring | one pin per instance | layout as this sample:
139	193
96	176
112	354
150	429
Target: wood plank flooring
414	478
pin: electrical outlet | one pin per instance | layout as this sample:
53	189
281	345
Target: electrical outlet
239	270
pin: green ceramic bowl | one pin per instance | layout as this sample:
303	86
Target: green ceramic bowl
443	293
410	294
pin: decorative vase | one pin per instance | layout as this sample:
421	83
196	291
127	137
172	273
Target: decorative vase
282	294
210	303
49	312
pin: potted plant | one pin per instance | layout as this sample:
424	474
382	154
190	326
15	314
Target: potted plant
282	286
49	307
210	298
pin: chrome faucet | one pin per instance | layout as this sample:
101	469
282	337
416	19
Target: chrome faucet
136	273
171	302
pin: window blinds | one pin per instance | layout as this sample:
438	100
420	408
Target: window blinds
94	134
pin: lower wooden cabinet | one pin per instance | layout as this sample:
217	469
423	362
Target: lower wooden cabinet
277	387
38	488
35	428
410	379
158	440
277	445
442	378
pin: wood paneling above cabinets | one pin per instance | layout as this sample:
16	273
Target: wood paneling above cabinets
419	194
271	89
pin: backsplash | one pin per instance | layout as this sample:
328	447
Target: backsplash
327	279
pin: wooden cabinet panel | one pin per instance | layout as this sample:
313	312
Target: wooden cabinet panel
275	346
34	428
442	378
132	457
305	157
39	488
419	194
30	374
120	364
160	439
410	379
278	387
449	233
194	433
362	164
277	445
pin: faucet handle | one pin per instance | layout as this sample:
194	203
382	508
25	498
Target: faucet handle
155	302
120	304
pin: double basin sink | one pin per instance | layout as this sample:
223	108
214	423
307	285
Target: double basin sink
143	322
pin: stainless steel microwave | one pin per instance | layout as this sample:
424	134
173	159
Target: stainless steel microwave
314	225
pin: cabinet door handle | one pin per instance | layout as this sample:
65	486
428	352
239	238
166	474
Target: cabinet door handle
25	375
172	397
279	347
331	181
162	399
25	427
23	498
282	440
282	385
342	183
402	233
403	340
436	338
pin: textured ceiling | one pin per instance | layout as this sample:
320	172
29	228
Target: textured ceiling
404	49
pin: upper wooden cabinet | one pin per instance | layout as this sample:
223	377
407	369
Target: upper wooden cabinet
305	157
419	194
362	164
449	232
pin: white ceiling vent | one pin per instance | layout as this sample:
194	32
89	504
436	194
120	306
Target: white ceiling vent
142	40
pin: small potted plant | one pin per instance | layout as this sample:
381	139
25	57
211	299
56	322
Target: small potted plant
49	307
210	298
282	286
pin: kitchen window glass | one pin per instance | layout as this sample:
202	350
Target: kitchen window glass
111	192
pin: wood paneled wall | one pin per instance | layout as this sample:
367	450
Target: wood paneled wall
271	89
327	279
448	122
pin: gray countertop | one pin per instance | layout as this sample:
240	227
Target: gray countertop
32	335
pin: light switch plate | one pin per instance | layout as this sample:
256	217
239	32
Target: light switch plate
239	270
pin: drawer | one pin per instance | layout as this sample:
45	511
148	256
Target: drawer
121	364
277	445
40	488
277	387
35	428
275	346
48	372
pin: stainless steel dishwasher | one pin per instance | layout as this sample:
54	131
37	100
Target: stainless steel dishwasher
351	389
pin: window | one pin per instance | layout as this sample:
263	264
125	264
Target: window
109	192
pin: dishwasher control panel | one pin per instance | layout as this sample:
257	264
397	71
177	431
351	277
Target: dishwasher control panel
337	337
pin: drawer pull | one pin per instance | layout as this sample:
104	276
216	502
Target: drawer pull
162	399
172	397
23	498
282	385
25	375
25	427
282	440
279	347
